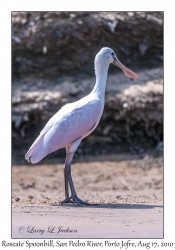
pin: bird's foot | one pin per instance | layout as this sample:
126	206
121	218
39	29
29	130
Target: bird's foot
77	200
68	200
80	202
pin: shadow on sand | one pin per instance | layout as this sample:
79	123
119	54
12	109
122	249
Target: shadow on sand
112	206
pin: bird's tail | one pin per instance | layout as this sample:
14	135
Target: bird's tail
33	154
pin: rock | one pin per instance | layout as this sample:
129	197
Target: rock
143	48
31	196
107	129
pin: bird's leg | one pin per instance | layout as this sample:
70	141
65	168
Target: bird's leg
67	197
74	197
69	158
66	184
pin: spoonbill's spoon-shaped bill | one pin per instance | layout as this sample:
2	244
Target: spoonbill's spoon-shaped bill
127	71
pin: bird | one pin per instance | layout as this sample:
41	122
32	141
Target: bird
75	121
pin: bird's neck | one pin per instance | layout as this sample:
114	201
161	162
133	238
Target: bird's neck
101	77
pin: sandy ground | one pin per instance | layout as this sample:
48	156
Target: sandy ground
129	193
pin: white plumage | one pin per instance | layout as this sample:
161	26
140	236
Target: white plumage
75	121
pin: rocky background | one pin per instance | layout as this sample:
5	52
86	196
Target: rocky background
53	63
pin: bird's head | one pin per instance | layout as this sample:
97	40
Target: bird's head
106	56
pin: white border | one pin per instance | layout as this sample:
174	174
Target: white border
5	93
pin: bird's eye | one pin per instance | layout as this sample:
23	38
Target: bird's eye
112	53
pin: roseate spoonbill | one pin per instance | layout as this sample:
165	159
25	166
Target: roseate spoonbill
74	121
